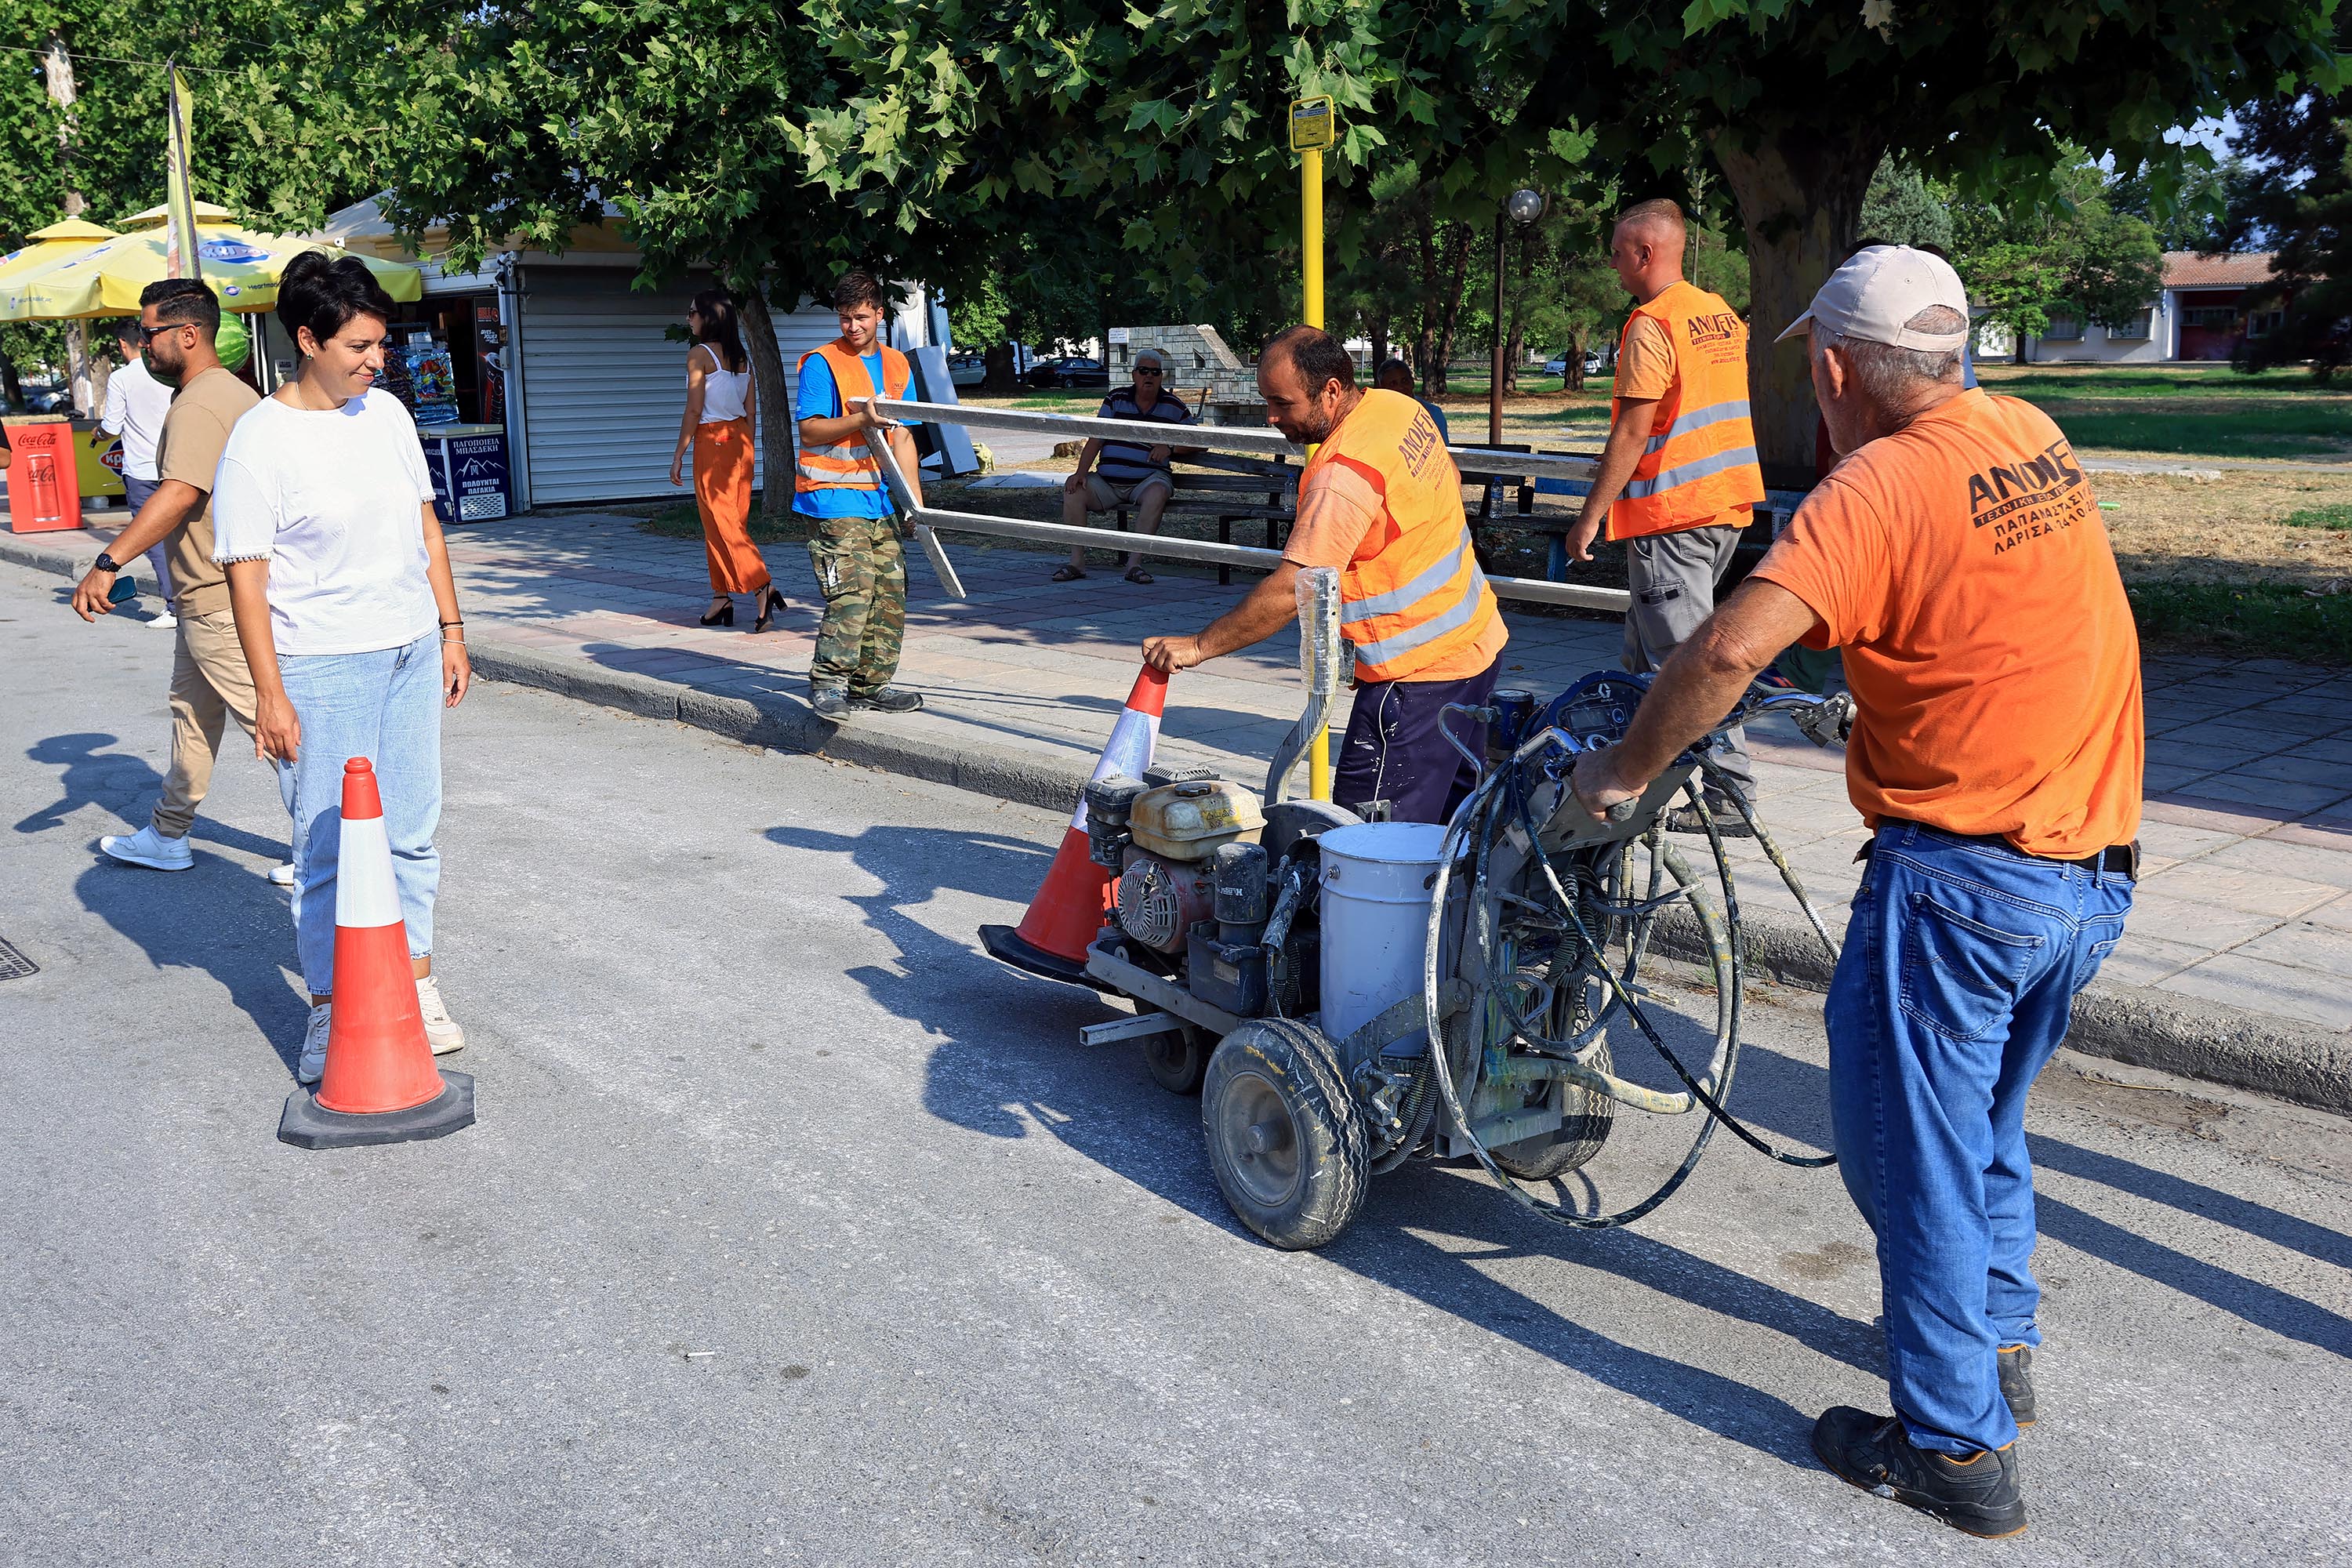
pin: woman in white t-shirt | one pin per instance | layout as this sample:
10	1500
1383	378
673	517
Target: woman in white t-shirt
323	512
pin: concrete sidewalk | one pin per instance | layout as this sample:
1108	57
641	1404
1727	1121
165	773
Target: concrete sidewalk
2233	968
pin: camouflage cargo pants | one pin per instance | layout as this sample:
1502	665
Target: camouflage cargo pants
862	572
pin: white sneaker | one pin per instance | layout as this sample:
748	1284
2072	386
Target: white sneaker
148	848
165	619
282	875
313	1064
441	1031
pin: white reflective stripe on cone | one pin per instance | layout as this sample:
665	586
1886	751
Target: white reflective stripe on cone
1132	742
365	892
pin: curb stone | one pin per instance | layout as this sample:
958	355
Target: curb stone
2132	1024
2135	1024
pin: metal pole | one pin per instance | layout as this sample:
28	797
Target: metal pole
1495	389
1310	169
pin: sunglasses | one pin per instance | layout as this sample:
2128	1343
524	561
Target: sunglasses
148	334
1148	370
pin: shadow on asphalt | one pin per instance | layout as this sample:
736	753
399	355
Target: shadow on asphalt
216	916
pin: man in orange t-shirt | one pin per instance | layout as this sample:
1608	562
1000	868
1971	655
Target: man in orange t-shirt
1956	557
1380	502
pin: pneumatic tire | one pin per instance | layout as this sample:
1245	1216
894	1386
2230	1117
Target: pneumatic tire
1177	1060
1286	1141
1586	1117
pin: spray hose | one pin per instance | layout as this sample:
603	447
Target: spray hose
1503	804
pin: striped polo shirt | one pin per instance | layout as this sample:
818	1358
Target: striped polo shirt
1123	462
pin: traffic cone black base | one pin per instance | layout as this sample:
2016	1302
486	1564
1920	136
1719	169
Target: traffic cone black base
1005	945
307	1124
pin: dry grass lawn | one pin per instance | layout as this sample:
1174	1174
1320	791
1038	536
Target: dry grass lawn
2226	530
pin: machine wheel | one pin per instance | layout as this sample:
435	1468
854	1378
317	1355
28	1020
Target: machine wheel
1285	1141
1178	1059
1586	1117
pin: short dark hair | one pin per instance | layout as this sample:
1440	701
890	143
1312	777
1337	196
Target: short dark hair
323	293
857	288
128	330
1315	355
183	301
1392	362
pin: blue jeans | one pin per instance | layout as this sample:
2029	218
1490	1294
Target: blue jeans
385	706
1962	963
135	492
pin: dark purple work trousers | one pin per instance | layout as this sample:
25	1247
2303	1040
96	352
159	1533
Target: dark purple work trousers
1394	750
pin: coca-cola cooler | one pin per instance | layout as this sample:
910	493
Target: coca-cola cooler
44	490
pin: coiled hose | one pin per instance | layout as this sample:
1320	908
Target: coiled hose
1502	800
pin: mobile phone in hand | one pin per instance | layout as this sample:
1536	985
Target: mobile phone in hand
125	589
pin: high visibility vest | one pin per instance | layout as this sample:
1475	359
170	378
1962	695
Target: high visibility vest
1700	461
1413	595
849	464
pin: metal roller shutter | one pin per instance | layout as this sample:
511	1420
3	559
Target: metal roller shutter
603	387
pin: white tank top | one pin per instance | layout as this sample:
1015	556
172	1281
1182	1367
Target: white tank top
722	389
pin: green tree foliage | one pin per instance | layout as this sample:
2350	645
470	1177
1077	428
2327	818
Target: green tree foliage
2069	257
2302	210
1902	207
278	132
2195	216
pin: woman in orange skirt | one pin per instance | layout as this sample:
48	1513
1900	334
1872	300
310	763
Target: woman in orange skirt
721	413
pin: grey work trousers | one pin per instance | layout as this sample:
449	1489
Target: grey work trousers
1672	578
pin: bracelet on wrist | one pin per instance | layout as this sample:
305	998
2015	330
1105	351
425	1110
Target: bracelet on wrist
458	622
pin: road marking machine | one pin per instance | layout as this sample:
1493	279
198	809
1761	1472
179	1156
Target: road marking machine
1348	995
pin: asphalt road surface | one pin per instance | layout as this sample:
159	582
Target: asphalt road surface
794	1229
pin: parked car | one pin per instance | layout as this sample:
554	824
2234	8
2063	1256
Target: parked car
967	370
52	400
1596	362
1557	366
1070	369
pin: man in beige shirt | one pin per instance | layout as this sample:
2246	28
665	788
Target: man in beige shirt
179	317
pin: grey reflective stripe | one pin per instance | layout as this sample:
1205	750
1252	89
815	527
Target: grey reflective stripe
1698	420
1396	601
1473	603
1672	477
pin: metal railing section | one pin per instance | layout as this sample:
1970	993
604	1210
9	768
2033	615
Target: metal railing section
931	522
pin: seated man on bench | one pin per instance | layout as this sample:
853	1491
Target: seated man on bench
1116	474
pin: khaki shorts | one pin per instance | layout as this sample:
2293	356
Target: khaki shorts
1104	496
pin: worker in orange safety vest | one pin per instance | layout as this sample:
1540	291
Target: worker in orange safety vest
1679	478
853	526
1380	502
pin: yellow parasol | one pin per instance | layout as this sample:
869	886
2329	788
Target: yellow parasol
47	245
100	273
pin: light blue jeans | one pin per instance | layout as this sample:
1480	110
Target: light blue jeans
1960	966
385	706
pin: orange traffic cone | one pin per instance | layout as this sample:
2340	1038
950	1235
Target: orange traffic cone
1069	907
380	1085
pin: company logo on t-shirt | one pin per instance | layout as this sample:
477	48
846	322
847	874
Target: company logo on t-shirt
2029	498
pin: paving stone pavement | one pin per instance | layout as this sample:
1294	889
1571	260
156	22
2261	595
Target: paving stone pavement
2246	895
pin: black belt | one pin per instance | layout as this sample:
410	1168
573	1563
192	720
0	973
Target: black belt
2122	859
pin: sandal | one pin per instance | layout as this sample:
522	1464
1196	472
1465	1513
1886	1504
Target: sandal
1136	574
1065	572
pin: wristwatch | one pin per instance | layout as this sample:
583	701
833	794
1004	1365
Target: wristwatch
107	564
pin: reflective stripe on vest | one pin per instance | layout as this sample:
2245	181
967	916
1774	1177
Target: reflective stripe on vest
1413	596
848	465
1699	460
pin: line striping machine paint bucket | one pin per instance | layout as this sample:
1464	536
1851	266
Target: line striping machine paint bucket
1376	881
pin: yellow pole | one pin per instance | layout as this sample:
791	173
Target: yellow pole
1310	169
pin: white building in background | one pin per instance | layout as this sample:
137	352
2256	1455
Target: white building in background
590	383
2198	315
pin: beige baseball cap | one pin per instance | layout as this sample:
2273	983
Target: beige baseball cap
1880	288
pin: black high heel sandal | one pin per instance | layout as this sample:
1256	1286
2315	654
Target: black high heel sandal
724	617
771	602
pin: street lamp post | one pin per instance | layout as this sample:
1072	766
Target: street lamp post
1520	212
